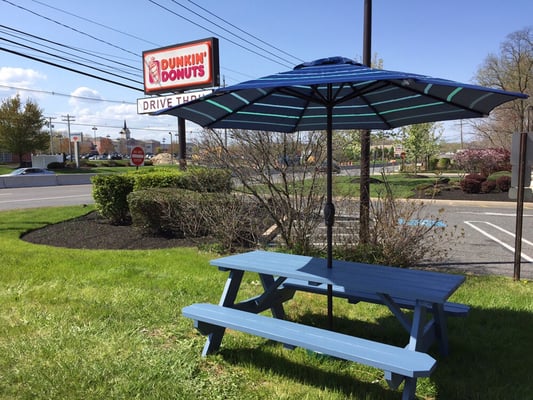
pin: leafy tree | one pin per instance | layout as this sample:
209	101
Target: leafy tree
421	141
510	70
20	127
484	161
346	145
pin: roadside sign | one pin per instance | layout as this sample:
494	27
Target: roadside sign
137	156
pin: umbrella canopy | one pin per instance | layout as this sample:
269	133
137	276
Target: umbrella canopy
339	93
361	97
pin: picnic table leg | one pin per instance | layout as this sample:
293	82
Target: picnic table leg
231	288
233	283
277	309
416	340
441	328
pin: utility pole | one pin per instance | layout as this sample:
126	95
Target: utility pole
50	126
68	119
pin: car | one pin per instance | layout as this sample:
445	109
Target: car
323	167
29	172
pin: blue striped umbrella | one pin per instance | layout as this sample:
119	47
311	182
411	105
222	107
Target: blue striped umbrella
339	93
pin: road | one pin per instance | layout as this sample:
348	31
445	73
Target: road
487	246
45	196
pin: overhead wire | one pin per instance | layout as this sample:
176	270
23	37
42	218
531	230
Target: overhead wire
228	31
214	33
243	31
69	27
94	62
65	95
69	69
118	65
96	23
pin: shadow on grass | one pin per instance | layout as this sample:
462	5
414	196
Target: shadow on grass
491	357
305	373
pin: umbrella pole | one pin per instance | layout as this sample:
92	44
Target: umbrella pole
329	210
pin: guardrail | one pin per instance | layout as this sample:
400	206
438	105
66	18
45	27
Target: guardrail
45	180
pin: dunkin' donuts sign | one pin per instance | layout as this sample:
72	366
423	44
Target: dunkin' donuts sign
180	67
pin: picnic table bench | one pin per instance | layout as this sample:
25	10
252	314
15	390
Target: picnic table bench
399	364
281	275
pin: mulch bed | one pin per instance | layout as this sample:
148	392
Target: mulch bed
91	231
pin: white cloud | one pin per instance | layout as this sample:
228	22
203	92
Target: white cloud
19	77
19	81
83	95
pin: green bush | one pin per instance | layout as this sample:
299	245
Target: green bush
443	163
209	180
168	212
110	194
197	179
161	179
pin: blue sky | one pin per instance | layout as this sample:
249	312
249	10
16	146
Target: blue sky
447	39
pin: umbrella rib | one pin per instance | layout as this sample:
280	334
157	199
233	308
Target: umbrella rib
427	94
236	110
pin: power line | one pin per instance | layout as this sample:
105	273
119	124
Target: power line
228	31
68	27
70	69
67	95
64	46
243	31
69	60
214	33
95	23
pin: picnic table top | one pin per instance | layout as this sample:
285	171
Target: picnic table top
434	287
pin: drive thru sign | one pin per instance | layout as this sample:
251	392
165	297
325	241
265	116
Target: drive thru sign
137	156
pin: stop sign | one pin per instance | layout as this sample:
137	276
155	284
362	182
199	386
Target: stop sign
137	156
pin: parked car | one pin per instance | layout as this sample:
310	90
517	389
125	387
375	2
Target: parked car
30	172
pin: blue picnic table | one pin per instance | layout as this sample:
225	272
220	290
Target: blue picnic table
426	293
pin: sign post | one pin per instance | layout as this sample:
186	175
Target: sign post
137	156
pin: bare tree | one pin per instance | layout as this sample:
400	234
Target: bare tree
278	170
510	70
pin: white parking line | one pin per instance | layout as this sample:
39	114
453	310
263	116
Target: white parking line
503	244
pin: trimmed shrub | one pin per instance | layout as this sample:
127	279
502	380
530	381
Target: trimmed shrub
488	186
476	177
471	185
168	212
110	194
233	220
504	183
161	179
209	180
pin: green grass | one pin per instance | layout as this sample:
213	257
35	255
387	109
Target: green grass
106	324
402	185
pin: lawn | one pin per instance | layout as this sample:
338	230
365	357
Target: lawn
106	324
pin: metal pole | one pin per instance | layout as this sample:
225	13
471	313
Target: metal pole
522	156
520	205
364	185
329	209
171	161
50	126
182	143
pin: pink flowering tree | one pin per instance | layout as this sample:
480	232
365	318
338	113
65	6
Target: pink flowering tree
483	161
